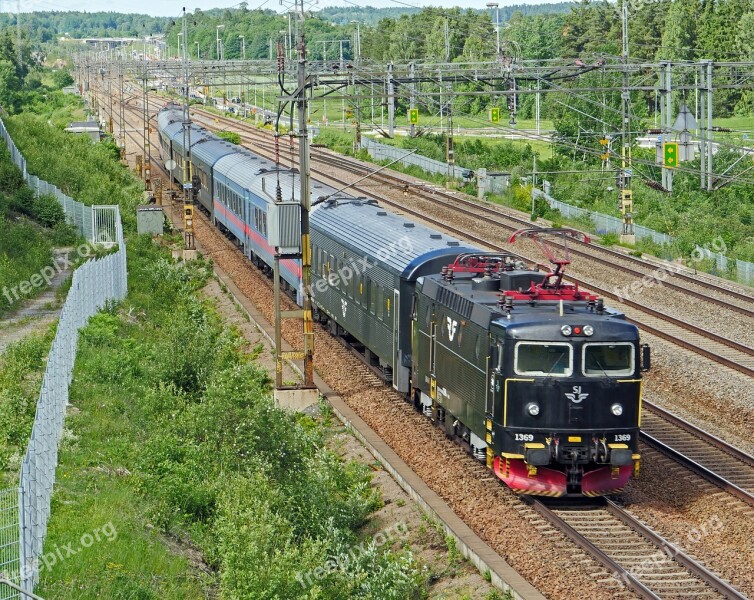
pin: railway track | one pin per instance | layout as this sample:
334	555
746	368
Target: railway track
714	459
512	222
716	347
612	541
643	561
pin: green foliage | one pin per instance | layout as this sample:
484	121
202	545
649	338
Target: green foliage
62	78
230	136
46	26
48	211
24	250
81	169
214	459
21	369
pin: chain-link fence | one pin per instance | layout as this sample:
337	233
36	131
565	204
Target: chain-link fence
25	510
94	284
79	215
384	152
714	262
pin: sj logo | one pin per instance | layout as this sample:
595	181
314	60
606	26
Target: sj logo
452	328
577	396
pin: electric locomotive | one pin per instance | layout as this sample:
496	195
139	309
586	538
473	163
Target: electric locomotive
539	378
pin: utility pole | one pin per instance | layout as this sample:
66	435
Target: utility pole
121	110
188	183
19	54
626	194
450	152
666	118
536	107
708	64
306	394
390	102
412	100
447	41
145	112
703	128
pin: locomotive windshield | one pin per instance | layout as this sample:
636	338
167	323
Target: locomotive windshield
544	359
608	359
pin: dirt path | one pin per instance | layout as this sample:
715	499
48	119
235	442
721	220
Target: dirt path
36	314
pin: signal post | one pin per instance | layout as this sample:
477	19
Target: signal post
301	396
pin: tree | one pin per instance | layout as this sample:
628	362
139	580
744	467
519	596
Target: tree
62	78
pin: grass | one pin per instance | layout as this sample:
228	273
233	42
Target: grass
184	455
22	366
92	494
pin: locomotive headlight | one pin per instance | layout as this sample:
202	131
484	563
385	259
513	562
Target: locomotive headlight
616	409
566	330
532	408
588	330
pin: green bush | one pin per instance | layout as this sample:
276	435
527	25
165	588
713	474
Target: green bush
21	369
48	211
24	251
81	169
216	460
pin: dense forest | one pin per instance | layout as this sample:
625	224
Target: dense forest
659	29
49	26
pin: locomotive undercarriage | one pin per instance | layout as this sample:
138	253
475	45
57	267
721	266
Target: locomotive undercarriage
555	469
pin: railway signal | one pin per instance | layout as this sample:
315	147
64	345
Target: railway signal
413	116
670	155
495	114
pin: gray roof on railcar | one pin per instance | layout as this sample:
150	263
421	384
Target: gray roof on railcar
393	240
241	167
167	116
173	130
197	134
210	150
245	166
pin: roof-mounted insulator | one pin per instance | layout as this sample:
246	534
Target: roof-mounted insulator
600	306
508	306
444	272
450	274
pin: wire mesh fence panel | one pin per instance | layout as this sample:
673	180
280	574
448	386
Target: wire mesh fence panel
25	510
745	272
94	284
104	225
715	263
384	152
9	542
76	213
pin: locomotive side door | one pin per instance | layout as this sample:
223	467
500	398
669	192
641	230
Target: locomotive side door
492	395
496	376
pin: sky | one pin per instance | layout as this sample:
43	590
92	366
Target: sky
171	9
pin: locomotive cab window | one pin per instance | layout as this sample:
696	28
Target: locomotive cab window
608	359
543	359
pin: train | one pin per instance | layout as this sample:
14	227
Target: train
539	380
